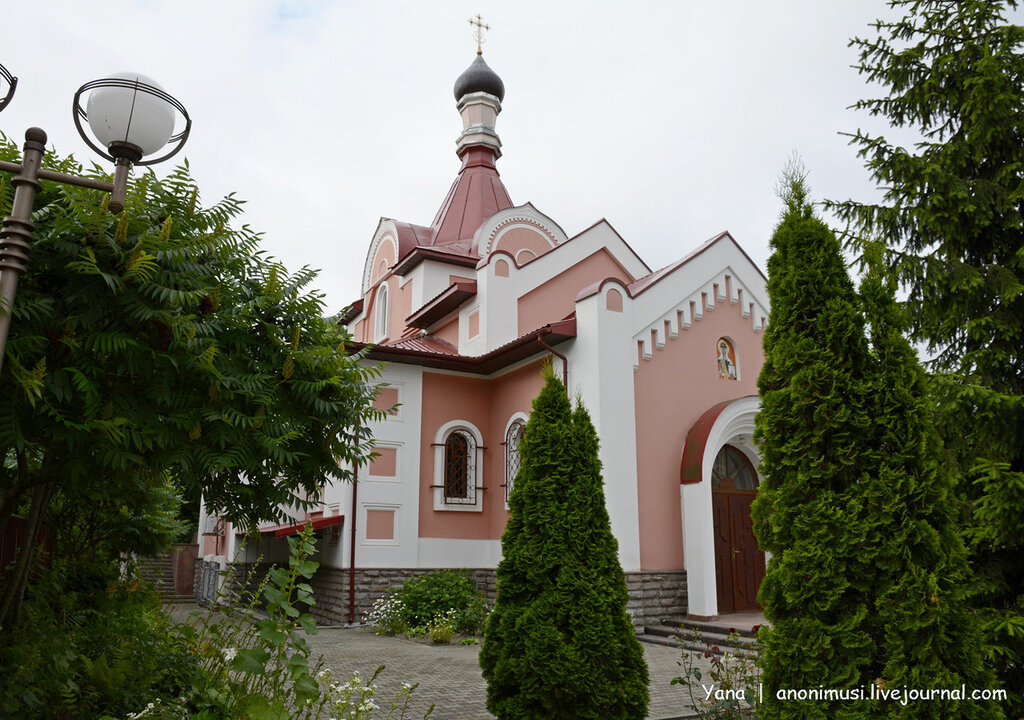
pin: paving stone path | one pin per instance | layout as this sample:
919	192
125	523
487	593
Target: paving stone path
449	675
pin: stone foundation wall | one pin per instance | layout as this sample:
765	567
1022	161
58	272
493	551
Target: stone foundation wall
330	588
655	596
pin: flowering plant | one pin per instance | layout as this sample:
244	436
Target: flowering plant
732	692
442	628
388	615
354	700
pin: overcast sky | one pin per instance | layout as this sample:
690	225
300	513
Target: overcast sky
672	120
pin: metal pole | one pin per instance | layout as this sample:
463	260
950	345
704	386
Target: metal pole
16	234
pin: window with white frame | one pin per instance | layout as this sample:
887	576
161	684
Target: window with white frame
381	330
459	468
513	458
458	454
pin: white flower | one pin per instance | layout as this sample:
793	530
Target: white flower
229	653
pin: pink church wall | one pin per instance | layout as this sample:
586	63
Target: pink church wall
401	306
672	390
384	258
521	238
488	405
556	298
449	332
510	394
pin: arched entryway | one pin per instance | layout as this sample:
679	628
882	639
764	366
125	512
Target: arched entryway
727	424
739	563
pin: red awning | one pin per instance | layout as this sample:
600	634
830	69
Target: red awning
296	526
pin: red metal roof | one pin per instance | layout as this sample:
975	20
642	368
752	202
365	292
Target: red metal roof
445	302
476	194
425	343
296	526
647	281
508	354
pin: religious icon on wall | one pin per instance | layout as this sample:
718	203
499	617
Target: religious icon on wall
726	359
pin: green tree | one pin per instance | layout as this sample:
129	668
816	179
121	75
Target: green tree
814	431
926	634
868	578
559	643
952	215
163	344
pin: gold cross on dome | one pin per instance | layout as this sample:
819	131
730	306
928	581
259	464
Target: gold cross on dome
479	33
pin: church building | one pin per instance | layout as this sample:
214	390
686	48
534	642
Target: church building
463	311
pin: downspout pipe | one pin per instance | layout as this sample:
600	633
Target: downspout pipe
560	356
352	551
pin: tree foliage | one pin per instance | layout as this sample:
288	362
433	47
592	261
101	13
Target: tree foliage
161	344
867	580
559	643
813	431
952	216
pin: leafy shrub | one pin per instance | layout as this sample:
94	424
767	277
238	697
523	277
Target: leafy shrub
258	667
90	645
429	596
415	606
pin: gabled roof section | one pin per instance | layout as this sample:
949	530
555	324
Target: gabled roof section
644	283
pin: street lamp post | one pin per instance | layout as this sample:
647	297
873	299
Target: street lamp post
130	115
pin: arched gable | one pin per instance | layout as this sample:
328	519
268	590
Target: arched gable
519	231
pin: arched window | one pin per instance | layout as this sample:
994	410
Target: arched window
460	468
513	458
733	471
381	330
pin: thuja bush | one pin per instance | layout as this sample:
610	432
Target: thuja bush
559	643
867	579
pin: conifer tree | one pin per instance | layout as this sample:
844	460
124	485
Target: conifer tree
926	636
559	643
814	431
867	583
952	215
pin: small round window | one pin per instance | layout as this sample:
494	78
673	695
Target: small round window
733	471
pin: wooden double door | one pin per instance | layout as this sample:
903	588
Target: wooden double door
739	563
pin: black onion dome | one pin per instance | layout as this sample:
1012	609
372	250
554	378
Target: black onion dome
479	77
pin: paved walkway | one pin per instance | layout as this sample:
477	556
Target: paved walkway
449	675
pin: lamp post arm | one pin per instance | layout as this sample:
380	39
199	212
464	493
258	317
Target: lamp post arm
44	174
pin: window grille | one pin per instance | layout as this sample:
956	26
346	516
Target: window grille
513	458
460	468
